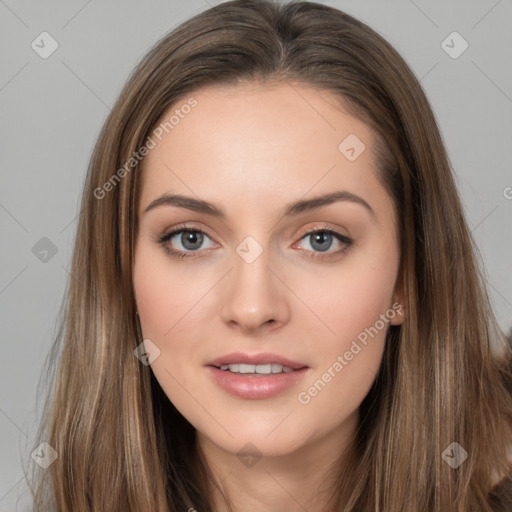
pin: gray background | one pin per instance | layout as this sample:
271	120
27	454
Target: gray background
52	110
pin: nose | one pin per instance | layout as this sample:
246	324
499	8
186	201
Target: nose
254	297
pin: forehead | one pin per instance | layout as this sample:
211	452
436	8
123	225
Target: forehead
257	142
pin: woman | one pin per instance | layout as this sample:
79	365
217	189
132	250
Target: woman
275	301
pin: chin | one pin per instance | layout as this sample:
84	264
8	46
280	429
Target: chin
245	441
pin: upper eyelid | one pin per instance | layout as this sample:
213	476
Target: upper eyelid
174	231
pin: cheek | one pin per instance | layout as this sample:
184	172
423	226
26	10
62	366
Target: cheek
165	303
360	301
163	295
352	299
170	303
348	361
154	302
356	306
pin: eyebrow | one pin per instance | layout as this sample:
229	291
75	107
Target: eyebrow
295	208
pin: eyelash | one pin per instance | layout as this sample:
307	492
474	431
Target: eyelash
318	255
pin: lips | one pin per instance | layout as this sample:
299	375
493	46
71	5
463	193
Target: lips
246	376
256	387
264	358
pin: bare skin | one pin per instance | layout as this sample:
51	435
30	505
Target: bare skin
251	151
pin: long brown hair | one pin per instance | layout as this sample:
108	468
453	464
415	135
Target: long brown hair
121	444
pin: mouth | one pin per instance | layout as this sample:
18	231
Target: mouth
255	376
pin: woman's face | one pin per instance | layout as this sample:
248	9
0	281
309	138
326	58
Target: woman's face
247	167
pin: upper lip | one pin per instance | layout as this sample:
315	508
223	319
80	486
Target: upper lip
261	358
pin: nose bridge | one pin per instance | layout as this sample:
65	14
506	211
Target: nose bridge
253	296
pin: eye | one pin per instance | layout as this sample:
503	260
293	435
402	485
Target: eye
183	242
186	241
320	240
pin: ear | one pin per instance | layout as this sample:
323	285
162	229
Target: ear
397	313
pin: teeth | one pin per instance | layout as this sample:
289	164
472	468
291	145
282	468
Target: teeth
264	369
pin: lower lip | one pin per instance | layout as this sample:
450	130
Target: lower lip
255	386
